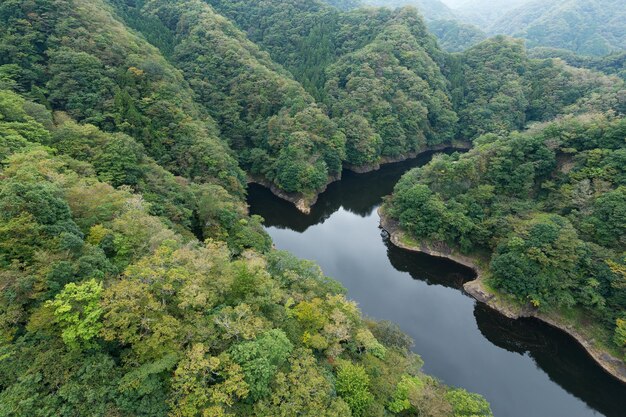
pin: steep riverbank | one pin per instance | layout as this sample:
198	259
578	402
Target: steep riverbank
304	202
375	166
481	292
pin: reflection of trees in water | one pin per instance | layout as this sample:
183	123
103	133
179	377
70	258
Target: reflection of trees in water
357	193
433	271
558	355
564	361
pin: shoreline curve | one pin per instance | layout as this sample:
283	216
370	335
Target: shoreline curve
304	203
477	289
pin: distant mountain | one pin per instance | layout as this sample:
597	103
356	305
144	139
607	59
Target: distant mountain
484	13
430	9
588	27
344	4
455	36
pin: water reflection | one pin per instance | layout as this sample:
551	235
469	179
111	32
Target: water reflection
431	270
557	354
523	367
356	193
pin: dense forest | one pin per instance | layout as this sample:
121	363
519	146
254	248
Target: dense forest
133	281
106	310
587	27
545	207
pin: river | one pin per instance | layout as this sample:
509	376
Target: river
523	367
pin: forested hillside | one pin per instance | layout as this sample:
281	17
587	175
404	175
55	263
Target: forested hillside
547	206
133	281
79	59
541	210
497	88
275	127
390	96
411	83
588	27
377	70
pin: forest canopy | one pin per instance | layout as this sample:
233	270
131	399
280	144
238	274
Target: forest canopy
134	282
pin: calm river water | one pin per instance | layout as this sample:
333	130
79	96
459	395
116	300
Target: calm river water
524	368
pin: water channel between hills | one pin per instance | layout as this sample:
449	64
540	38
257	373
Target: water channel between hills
523	367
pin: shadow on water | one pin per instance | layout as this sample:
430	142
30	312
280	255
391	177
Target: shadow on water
512	381
558	355
431	270
357	193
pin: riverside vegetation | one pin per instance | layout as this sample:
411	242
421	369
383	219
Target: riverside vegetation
132	279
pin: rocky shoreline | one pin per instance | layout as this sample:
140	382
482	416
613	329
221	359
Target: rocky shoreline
385	160
304	203
478	290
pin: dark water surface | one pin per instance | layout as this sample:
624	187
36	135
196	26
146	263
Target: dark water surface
523	367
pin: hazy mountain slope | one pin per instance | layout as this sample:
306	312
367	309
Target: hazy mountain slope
484	13
430	9
455	36
591	27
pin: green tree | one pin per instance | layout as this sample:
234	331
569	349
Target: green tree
353	386
260	360
77	311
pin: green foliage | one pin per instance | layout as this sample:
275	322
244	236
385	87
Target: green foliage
620	333
77	311
465	404
260	360
303	390
206	385
539	262
408	387
547	203
353	386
